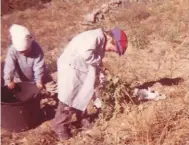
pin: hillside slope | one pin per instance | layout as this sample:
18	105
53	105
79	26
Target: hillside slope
157	57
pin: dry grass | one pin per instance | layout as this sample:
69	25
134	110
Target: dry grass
158	48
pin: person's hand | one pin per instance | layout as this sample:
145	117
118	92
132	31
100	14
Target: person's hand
51	87
39	85
11	85
102	78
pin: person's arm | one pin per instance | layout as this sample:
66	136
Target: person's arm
90	55
9	68
39	68
94	60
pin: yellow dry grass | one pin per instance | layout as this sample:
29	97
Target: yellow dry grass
159	40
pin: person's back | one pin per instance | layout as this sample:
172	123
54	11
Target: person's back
79	45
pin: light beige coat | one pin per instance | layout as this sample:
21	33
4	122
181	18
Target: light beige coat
77	68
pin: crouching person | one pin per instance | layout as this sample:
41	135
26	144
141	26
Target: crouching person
77	72
24	60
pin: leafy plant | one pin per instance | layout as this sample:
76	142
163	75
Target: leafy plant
115	95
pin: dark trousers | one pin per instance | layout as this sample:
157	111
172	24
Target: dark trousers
63	116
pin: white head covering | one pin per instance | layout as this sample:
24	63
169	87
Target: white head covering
20	39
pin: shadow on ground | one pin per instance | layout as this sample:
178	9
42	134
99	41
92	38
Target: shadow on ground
163	81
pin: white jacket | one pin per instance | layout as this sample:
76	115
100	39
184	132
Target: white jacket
77	68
